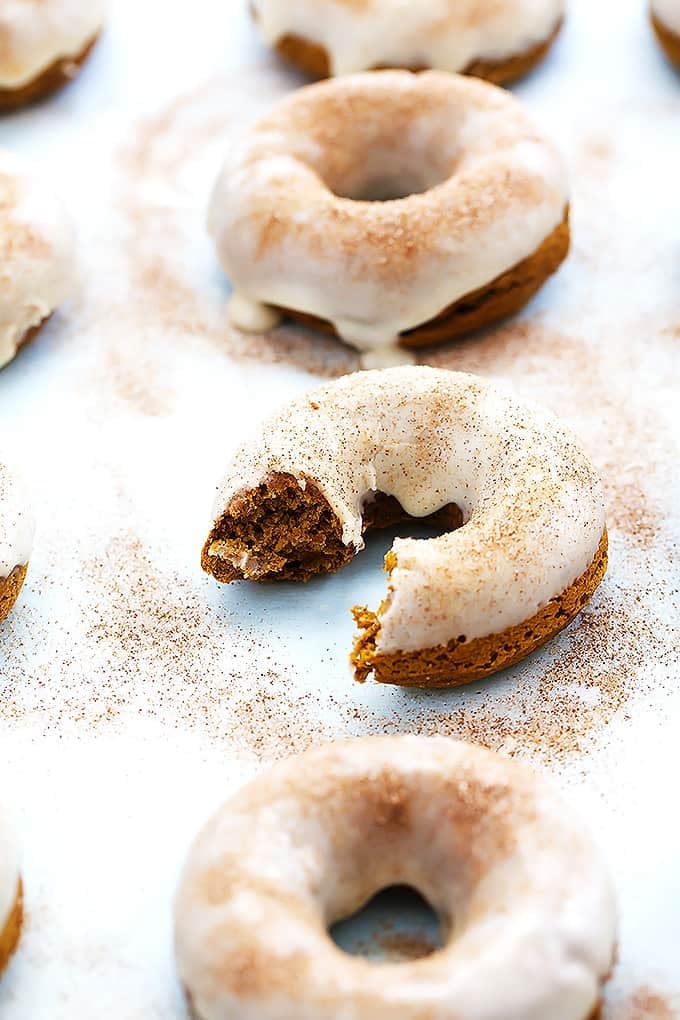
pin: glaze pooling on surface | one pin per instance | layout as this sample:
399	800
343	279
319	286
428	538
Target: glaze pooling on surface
526	902
16	524
9	871
37	254
668	13
36	33
448	35
531	500
483	190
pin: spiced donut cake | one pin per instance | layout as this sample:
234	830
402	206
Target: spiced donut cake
11	896
524	899
525	544
43	43
37	255
443	210
665	16
16	539
495	39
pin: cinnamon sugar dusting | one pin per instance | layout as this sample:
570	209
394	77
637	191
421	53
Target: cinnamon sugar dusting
573	378
643	1004
167	155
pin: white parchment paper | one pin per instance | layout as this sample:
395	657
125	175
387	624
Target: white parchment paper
135	692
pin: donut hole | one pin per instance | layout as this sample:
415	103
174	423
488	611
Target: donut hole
388	176
395	926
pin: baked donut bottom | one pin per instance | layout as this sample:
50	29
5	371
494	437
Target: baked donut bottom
502	297
462	662
54	77
9	589
670	40
9	936
314	60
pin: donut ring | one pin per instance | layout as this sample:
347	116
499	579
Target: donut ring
16	540
484	223
524	898
665	15
37	256
43	44
414	442
11	897
500	41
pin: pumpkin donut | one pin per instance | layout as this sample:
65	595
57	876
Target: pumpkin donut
37	255
43	43
525	902
500	41
11	896
526	544
665	16
16	540
444	209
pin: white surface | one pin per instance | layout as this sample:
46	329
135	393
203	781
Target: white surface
136	692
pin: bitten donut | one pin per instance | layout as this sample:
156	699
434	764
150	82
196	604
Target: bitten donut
495	39
526	545
11	895
43	43
37	255
523	897
666	21
16	539
470	215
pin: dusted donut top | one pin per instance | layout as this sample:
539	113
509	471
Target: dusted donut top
9	872
16	524
36	33
444	34
524	898
37	243
484	190
668	12
532	503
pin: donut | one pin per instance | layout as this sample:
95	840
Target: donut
37	255
524	899
525	541
665	16
16	539
11	896
500	40
43	43
443	210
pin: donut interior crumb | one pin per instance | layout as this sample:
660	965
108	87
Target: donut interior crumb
285	530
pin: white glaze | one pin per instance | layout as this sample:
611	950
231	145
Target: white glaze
532	502
37	254
668	12
444	34
9	872
495	189
36	33
16	524
488	844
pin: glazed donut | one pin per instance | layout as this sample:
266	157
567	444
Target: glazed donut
11	896
16	540
417	442
525	901
483	224
37	255
666	21
490	39
43	43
